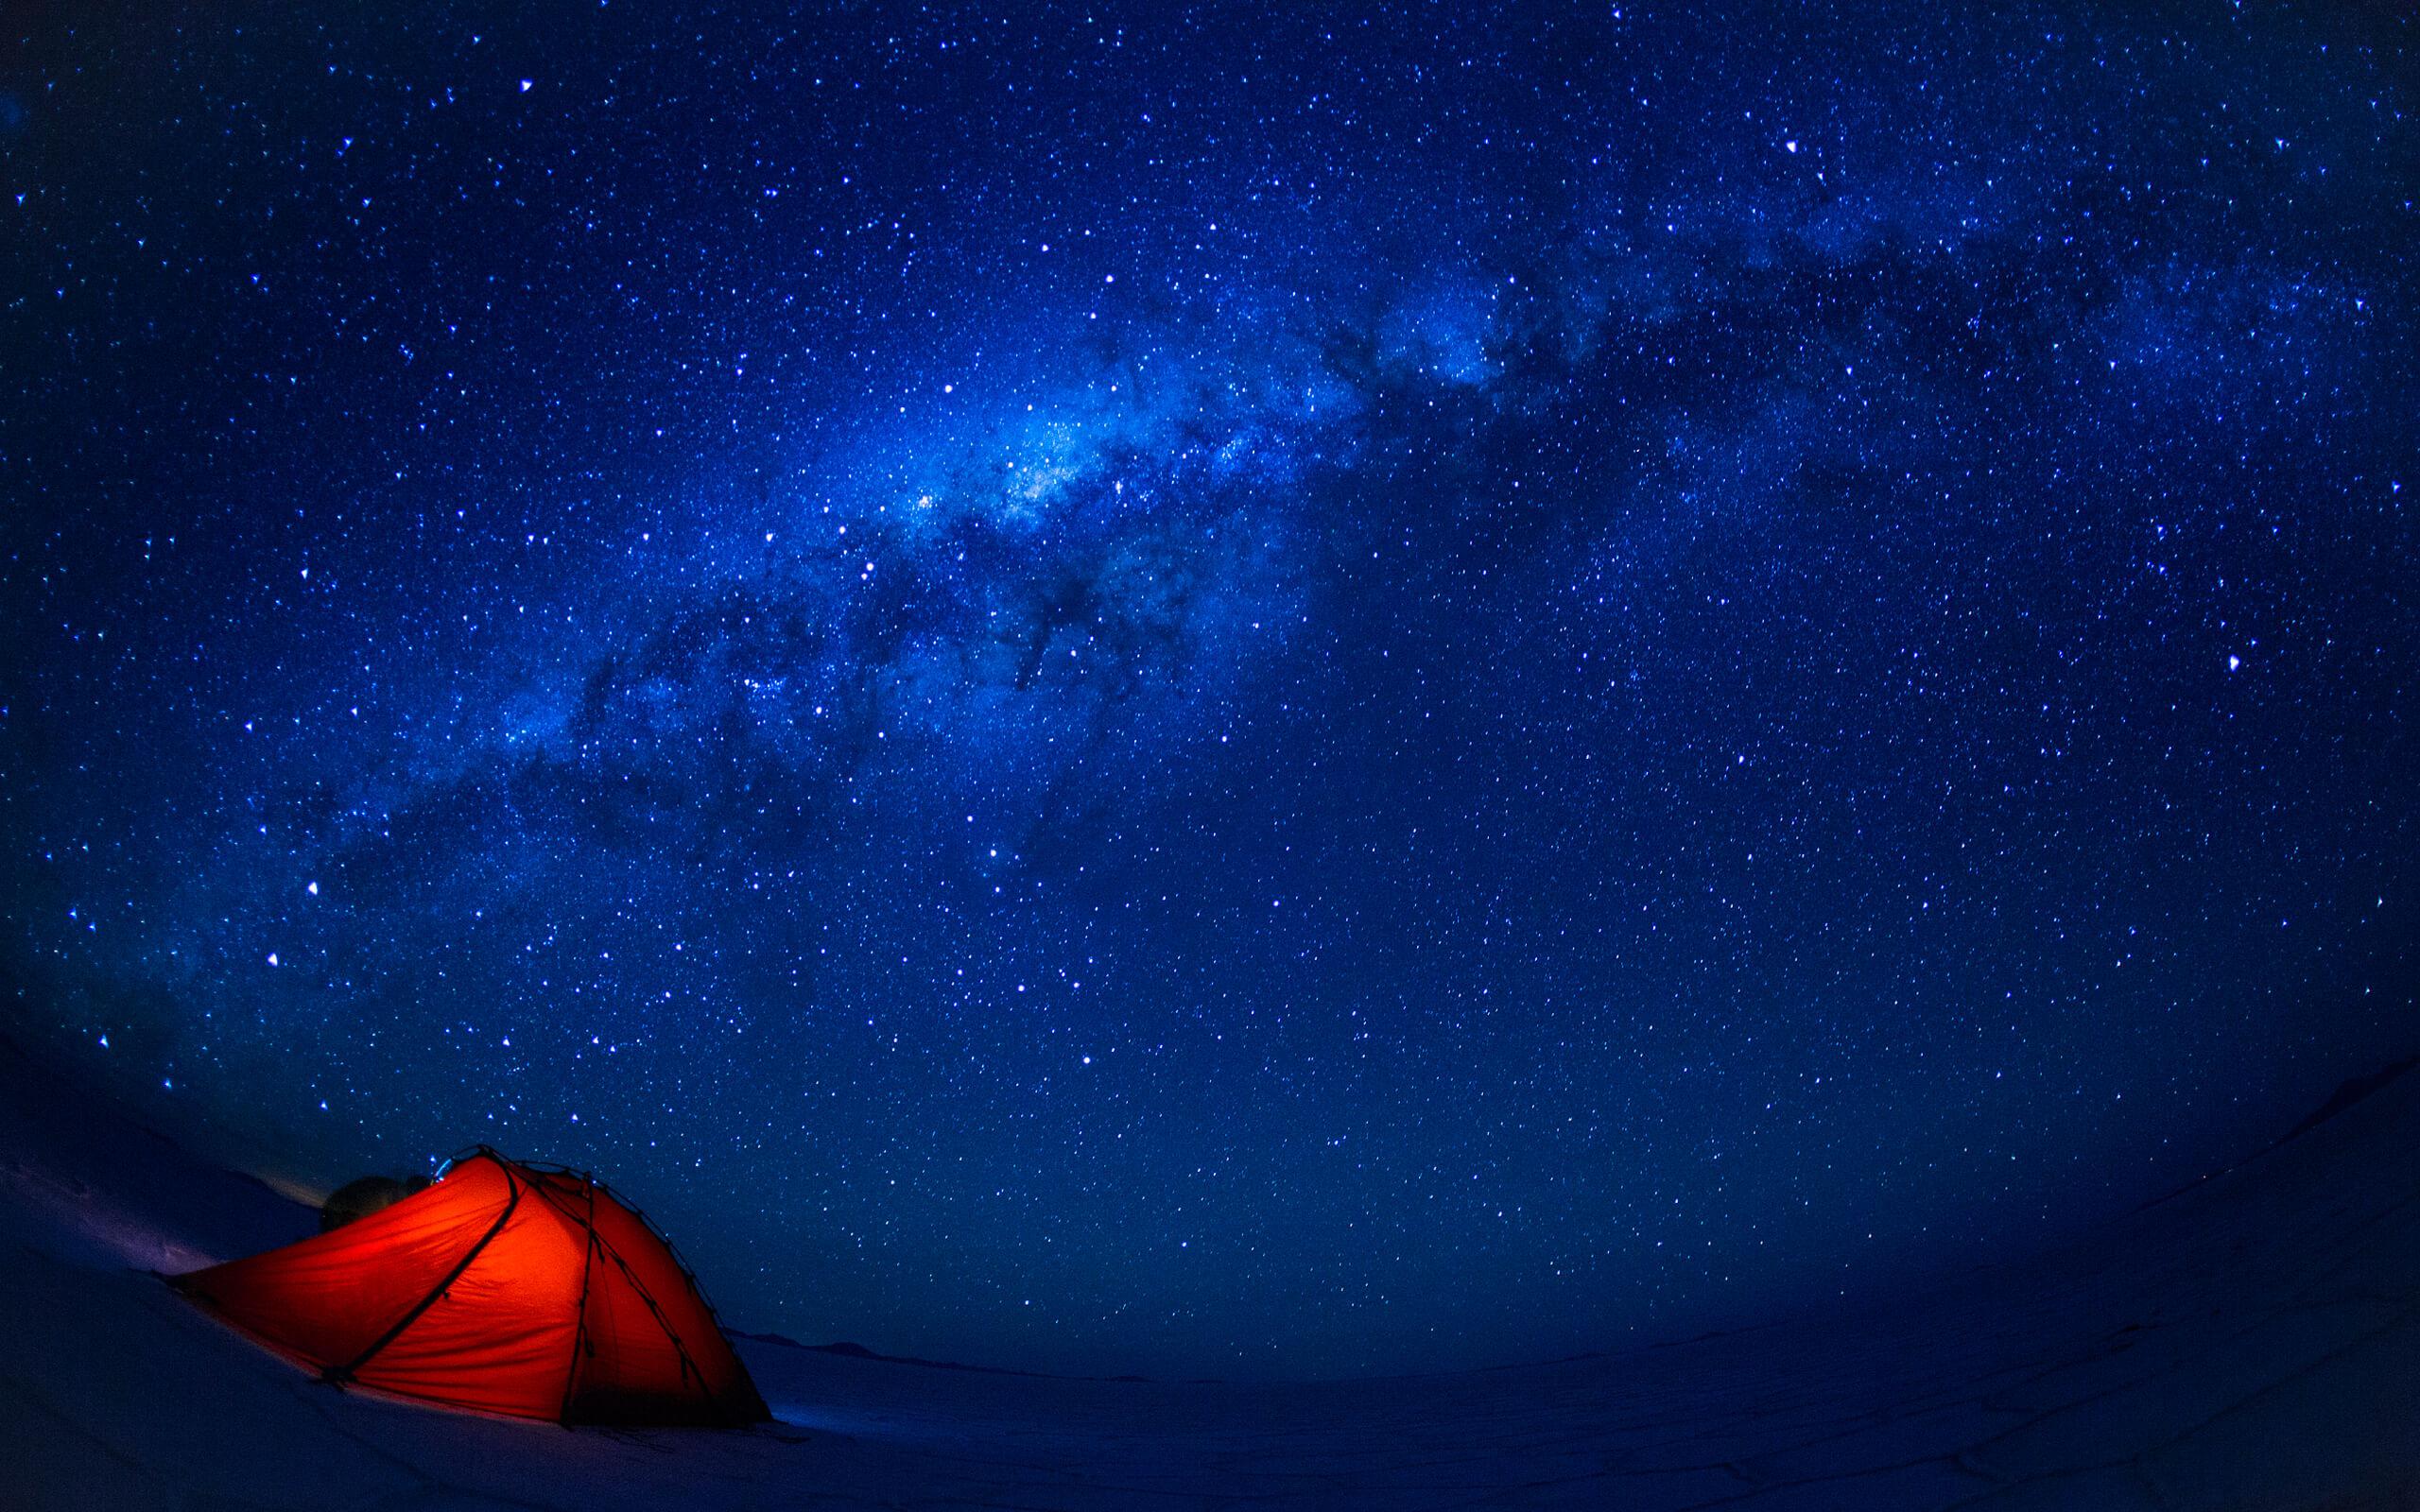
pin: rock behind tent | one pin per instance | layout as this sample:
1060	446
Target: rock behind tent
365	1195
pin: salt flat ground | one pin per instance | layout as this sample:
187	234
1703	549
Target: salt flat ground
2253	1343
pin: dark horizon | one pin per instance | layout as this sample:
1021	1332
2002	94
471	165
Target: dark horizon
1210	694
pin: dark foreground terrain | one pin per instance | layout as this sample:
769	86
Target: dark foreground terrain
2251	1343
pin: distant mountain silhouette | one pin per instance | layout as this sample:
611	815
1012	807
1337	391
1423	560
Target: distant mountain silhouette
858	1352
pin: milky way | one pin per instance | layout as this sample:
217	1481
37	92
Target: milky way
1227	695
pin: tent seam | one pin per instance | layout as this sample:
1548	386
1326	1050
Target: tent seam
579	1318
339	1375
690	1370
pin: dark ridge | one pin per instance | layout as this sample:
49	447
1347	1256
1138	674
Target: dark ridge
2349	1091
2352	1090
250	1179
782	1339
858	1352
851	1349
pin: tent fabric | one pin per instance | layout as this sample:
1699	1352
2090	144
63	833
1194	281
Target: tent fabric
505	1287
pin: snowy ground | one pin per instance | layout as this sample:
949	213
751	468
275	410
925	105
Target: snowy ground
2254	1343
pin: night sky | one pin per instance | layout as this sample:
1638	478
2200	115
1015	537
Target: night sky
1254	692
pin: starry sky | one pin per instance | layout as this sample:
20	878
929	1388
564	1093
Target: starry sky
1233	692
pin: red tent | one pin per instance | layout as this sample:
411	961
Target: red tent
508	1288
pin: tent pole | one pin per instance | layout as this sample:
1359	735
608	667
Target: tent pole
580	1327
338	1374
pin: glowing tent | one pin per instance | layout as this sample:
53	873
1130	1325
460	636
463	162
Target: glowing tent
508	1288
